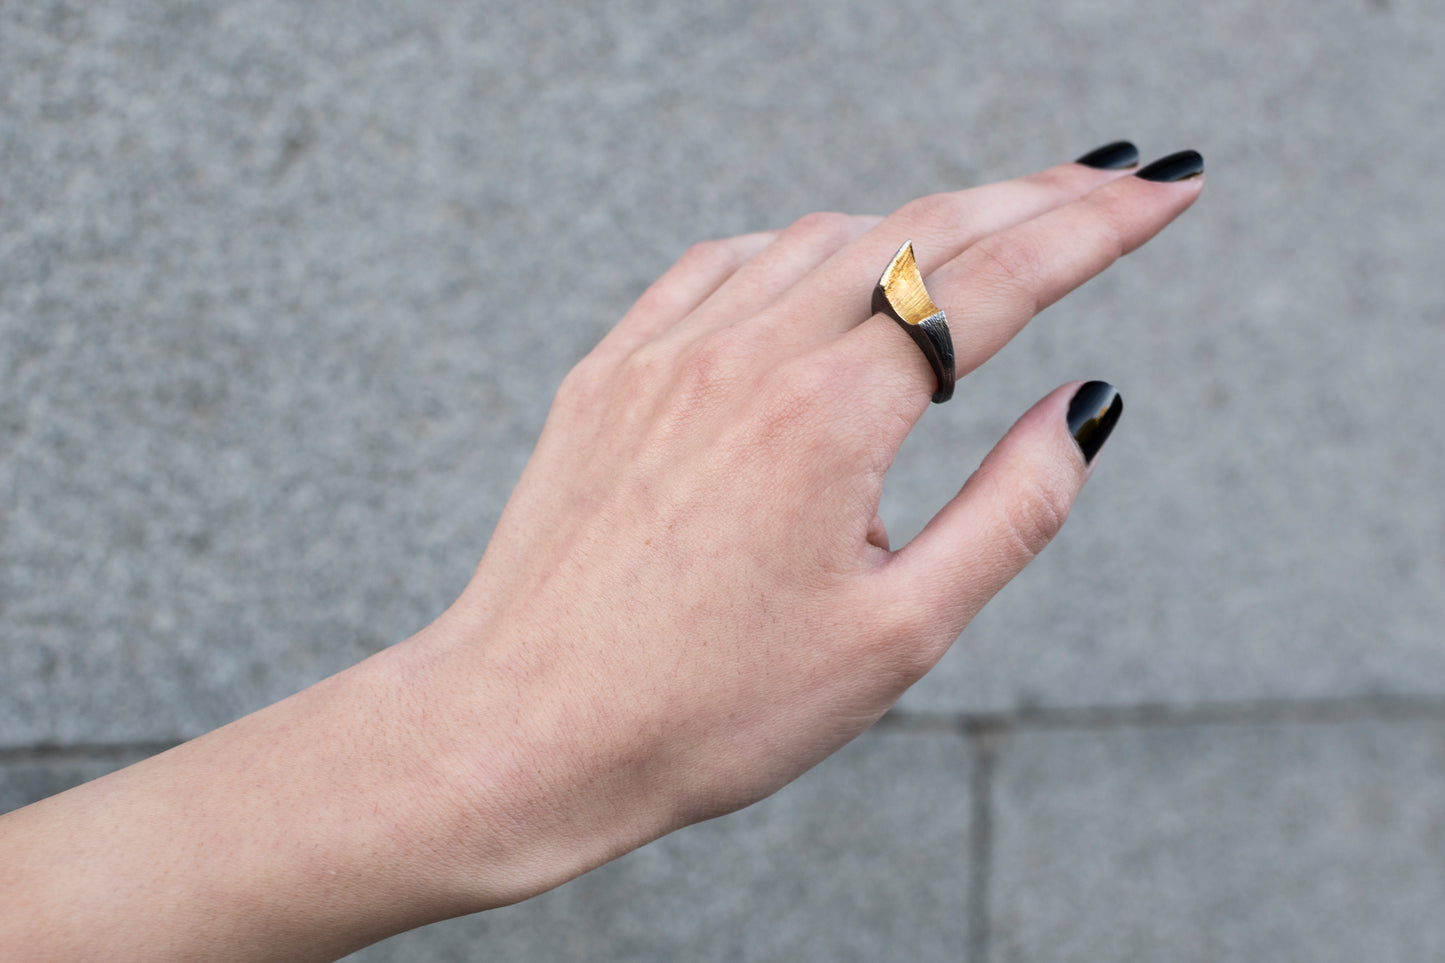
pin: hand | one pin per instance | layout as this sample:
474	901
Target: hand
690	598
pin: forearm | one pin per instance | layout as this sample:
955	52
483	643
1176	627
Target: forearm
303	831
447	775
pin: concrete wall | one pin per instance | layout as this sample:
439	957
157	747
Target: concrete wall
285	290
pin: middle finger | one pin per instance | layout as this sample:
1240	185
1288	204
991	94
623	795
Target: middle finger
836	295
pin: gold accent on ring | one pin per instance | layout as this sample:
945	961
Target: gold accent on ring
902	285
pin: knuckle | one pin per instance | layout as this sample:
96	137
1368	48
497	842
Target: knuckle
1010	261
1037	514
711	363
1061	179
685	377
647	370
709	254
829	228
583	385
675	291
936	213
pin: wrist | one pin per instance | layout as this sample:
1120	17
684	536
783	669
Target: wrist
530	785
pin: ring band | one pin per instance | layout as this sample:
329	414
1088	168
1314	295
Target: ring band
900	294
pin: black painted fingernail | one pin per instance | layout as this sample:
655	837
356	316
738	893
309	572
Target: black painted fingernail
1175	167
1095	408
1111	157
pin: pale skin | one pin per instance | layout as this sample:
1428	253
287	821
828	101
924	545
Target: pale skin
688	602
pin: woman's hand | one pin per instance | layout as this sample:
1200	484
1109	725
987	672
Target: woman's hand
690	598
688	601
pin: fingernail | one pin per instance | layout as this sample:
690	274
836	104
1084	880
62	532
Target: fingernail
1094	410
1111	157
1175	167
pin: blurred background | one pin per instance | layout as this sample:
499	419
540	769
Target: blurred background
286	288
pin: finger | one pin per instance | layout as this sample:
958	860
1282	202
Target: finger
836	296
994	288
798	250
1007	512
997	286
701	270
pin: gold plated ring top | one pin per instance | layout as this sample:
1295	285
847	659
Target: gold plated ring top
900	294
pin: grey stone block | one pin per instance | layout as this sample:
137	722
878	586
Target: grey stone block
865	858
285	290
1315	842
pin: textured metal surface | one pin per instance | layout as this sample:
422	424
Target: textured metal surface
901	294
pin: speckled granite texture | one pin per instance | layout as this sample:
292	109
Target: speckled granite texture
285	290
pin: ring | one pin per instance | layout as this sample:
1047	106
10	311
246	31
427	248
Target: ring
900	294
